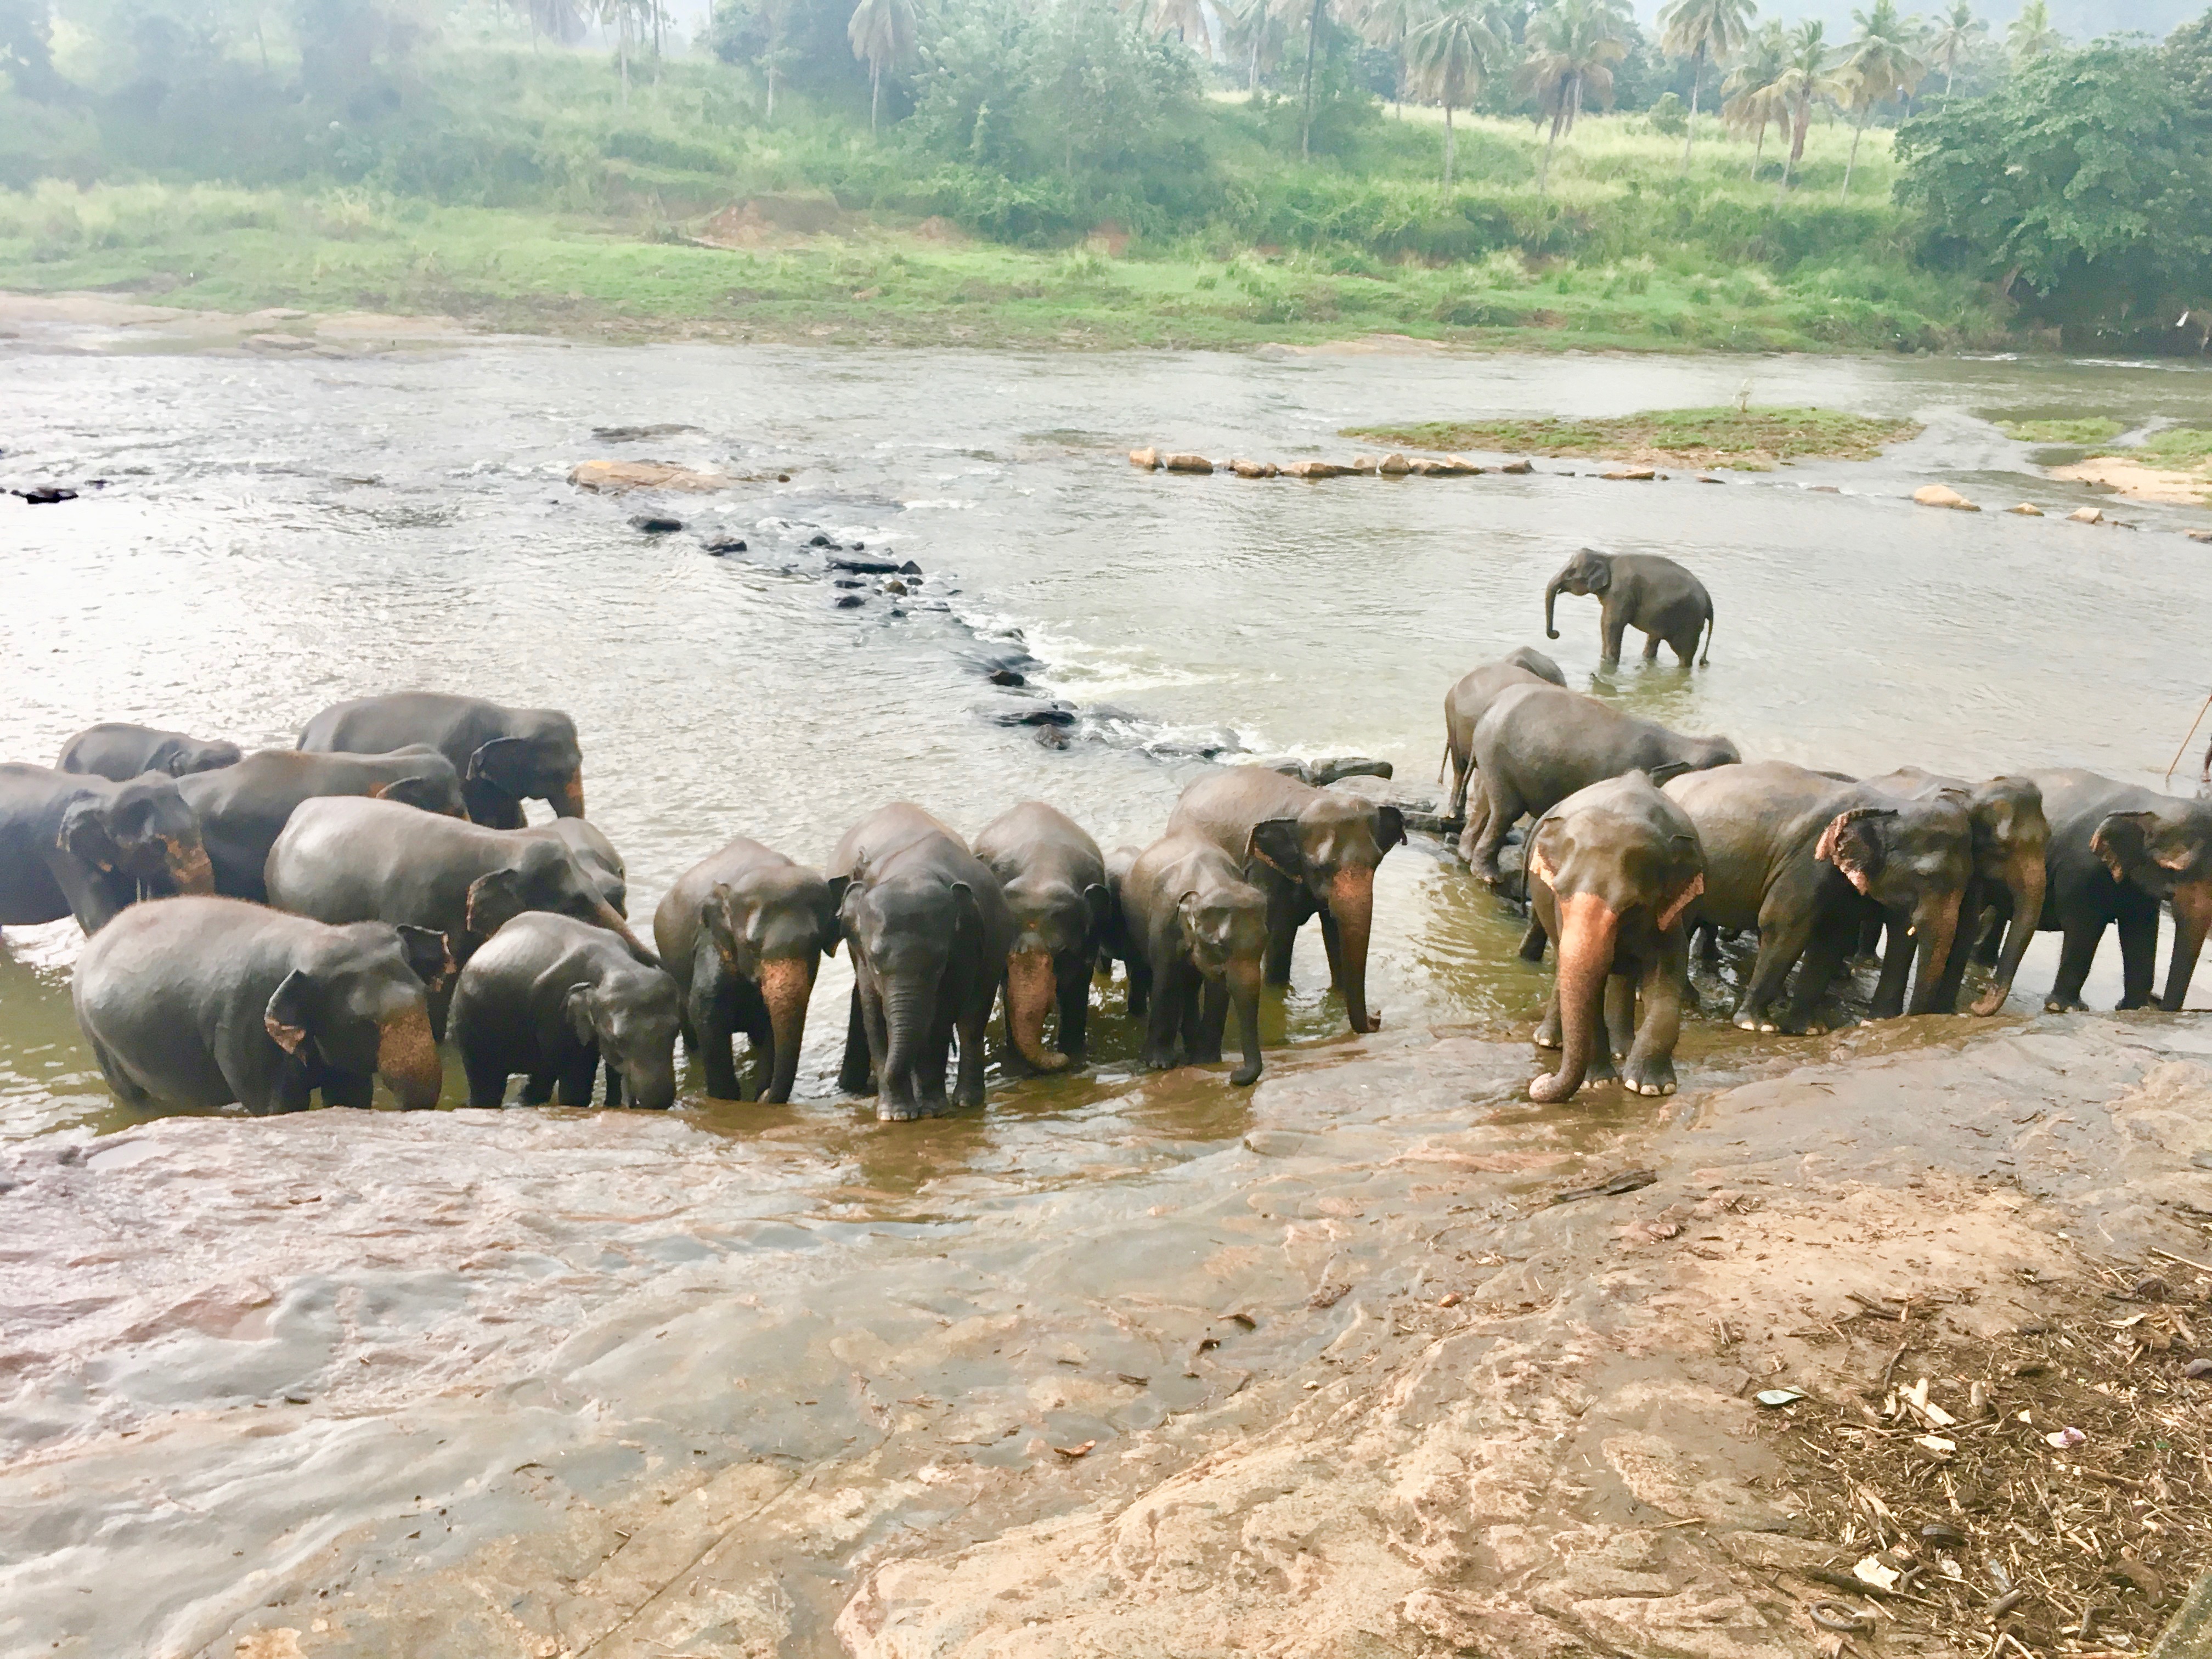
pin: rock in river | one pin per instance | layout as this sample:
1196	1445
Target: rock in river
612	477
1943	495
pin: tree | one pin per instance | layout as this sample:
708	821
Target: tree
1315	16
2188	57
1184	18
1699	30
1448	55
1253	32
1751	90
1956	30
1572	47
1389	25
882	34
1879	63
1803	83
2029	35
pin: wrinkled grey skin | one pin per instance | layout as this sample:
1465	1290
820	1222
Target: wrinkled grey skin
1654	595
1311	851
119	752
73	844
743	932
1469	700
1200	931
2116	853
1054	880
1801	855
929	932
1115	942
346	859
504	755
1611	869
201	1001
242	808
592	849
1537	745
551	997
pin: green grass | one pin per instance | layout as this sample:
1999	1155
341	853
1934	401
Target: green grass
2184	448
2089	429
1748	439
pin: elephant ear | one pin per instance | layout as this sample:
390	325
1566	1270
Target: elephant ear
722	926
84	834
169	759
427	958
1850	844
1389	827
503	762
576	1009
970	909
1680	900
1187	916
2122	840
829	921
1537	862
288	1013
1098	899
495	898
1600	576
1274	843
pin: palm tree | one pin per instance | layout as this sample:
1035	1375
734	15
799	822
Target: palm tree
1389	25
1752	101
1698	30
882	33
1448	55
1183	18
1251	32
1879	63
2030	35
1314	16
1802	83
1956	30
1572	47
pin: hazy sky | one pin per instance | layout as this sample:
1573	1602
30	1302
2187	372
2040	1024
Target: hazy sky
2084	19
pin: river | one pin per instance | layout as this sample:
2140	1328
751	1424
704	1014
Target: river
279	535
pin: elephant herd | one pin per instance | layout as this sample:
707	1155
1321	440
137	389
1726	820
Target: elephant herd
269	927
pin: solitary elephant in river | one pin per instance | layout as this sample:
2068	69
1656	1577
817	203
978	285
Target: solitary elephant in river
1054	880
119	752
1800	855
929	932
1538	744
505	756
1656	596
74	844
551	997
1198	931
743	932
1611	869
242	808
2116	853
201	1001
1309	850
1469	700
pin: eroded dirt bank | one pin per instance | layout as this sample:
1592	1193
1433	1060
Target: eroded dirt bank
1349	1382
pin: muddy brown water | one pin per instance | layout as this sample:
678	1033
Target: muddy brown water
279	535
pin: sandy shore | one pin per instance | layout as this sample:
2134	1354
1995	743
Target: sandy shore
2138	482
102	322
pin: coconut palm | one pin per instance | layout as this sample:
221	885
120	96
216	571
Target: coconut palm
1185	19
882	34
1880	61
1751	101
1956	30
2030	35
1387	24
1803	82
1448	56
1252	34
1572	47
1703	30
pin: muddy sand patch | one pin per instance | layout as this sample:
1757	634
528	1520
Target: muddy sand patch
2134	479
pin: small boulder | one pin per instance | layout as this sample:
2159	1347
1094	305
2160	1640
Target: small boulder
2087	515
1707	478
2198	535
847	601
607	478
1630	474
1187	462
1518	466
1147	458
1366	463
1943	495
725	544
1245	469
1449	466
654	525
909	569
2027	510
1394	466
1314	470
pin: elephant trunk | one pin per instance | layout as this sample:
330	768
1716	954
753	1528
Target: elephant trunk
1352	903
1587	928
1244	978
568	801
407	1060
786	982
651	1086
1031	987
1551	592
1935	923
2192	915
909	1011
605	916
2024	881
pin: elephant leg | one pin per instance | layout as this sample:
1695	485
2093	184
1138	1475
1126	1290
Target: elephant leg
1283	921
1073	987
759	1056
2138	958
1709	944
1684	644
1650	1067
1547	1028
614	1085
1213	1022
1476	810
1461	770
350	1088
1620	1014
2082	933
577	1074
709	1016
1613	628
1896	966
1782	939
537	1088
1988	943
1163	1026
1139	997
1823	956
1651	647
1502	808
855	1074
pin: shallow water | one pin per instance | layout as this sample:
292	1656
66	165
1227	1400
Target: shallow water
278	536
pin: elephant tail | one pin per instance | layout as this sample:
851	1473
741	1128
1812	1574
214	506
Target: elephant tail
1711	622
1444	765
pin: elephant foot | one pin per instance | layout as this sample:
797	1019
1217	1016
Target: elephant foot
1547	1031
1989	1000
1746	1020
1153	1061
2065	1006
1246	1075
2128	1005
1551	1088
1649	1077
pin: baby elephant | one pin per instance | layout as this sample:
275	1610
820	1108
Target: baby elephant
201	1001
549	996
1611	869
1656	596
1200	933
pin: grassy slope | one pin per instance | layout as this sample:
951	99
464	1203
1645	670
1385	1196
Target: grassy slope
1750	439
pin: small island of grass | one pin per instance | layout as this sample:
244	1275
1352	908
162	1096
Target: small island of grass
1748	439
2090	429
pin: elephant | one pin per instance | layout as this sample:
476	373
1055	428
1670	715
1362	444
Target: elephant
592	849
1200	934
1469	699
1309	850
2116	853
1798	854
242	808
1115	944
349	859
551	997
1538	744
203	1001
743	932
505	756
1655	595
1054	880
930	932
74	844
1611	869
119	752
2011	842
